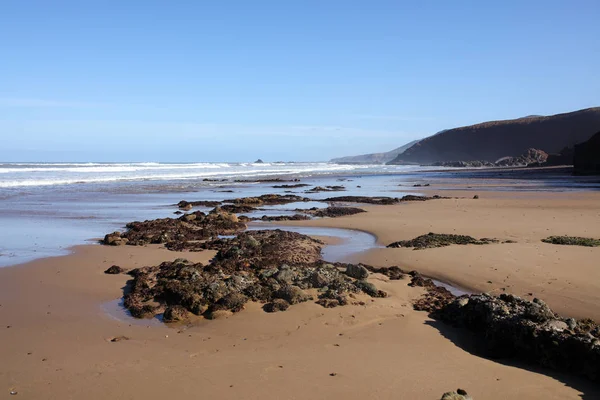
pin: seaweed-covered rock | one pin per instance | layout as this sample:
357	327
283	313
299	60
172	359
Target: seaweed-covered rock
334	212
182	233
269	266
268	199
267	248
572	241
432	240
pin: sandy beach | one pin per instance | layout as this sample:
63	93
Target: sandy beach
56	342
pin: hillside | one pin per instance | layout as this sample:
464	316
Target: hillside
374	158
490	141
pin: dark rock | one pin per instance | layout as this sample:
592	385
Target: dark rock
292	294
370	289
259	161
178	234
114	239
268	199
236	208
114	270
357	271
174	314
276	305
187	205
294	186
295	217
333	212
394	273
432	240
458	395
516	328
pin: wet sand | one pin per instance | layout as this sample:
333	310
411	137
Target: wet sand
56	338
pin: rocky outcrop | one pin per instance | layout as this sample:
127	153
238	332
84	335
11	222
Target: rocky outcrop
268	199
432	240
515	328
278	218
587	157
188	205
334	212
318	189
490	141
382	200
275	267
178	234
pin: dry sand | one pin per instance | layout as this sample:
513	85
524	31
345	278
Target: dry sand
55	336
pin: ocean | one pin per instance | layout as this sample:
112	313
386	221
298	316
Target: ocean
45	208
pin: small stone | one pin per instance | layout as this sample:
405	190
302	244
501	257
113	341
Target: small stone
114	270
357	271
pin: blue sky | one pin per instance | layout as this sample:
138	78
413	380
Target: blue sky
279	80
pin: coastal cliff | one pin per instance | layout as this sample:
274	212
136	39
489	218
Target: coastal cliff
490	141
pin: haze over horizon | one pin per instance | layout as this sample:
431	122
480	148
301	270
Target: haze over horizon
310	81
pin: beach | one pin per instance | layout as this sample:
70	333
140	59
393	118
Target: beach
64	337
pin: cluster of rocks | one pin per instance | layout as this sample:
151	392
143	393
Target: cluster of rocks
178	233
273	267
294	186
268	199
278	218
380	200
512	327
188	205
334	212
432	240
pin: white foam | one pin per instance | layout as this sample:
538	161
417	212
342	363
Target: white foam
31	174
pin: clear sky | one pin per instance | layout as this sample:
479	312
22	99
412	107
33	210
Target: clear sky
282	79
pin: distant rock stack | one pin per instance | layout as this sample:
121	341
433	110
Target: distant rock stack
587	157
